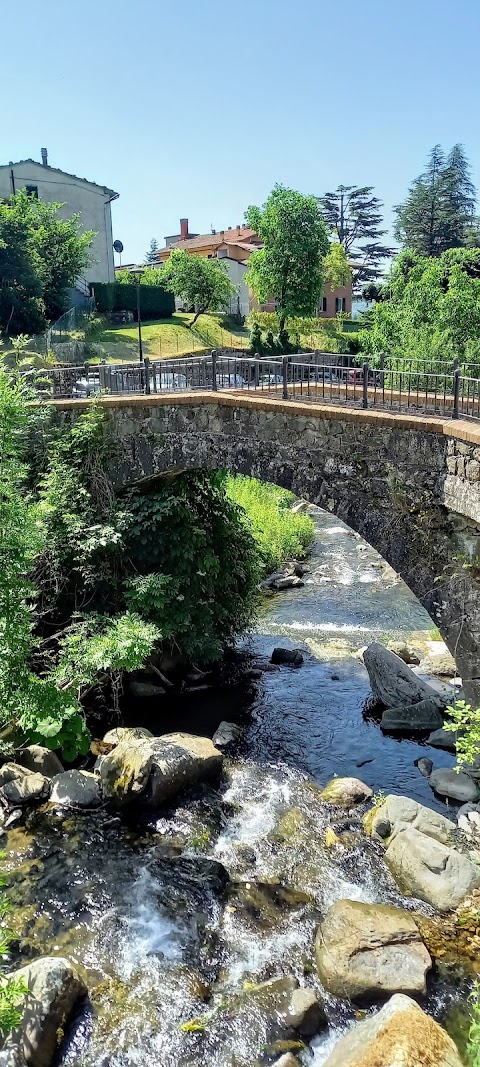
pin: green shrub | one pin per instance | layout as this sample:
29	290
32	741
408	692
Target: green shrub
280	534
155	302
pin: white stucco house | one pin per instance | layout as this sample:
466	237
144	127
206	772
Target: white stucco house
78	196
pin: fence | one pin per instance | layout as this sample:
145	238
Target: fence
448	392
64	329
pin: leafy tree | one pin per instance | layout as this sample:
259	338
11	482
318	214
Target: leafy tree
354	217
41	255
151	257
295	242
202	283
336	267
439	211
150	276
430	308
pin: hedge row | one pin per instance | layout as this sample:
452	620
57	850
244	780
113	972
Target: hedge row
155	302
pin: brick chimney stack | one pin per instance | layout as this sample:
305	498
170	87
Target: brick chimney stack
183	229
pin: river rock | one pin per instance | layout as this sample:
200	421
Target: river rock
225	734
305	1012
124	773
418	718
346	791
291	656
393	683
10	771
112	737
40	759
397	812
25	790
399	1035
287	1060
430	870
180	760
425	766
441	663
405	652
76	789
145	689
456	785
366	949
54	987
443	739
290	581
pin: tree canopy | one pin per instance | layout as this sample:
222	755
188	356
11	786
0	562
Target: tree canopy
295	242
41	256
439	210
354	217
430	307
202	283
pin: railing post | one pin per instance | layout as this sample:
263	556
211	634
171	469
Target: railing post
456	392
285	377
365	385
214	370
146	364
256	372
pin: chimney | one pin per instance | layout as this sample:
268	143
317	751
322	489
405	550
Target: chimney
44	157
183	229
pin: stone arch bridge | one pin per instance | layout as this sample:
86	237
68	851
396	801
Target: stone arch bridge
410	485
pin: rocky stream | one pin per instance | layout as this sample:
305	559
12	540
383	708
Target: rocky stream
257	918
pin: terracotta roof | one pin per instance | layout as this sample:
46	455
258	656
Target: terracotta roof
57	170
204	240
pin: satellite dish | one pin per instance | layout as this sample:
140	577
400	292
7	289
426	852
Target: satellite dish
118	246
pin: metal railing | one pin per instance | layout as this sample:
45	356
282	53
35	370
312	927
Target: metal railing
445	392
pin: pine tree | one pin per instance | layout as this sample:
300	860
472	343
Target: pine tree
355	217
151	256
439	211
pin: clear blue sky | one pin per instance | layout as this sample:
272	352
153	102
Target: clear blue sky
197	107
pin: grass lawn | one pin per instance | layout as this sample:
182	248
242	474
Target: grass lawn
165	338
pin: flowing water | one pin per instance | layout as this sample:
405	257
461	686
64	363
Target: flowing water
191	929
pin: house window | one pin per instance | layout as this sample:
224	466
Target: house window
324	304
340	304
32	190
222	253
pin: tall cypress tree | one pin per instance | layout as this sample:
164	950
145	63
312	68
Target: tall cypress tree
151	257
439	211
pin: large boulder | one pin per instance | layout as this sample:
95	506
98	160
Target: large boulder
76	789
226	734
346	791
397	812
443	739
364	950
39	759
430	870
25	790
399	1035
456	785
10	771
124	773
393	683
420	718
112	737
292	656
54	987
439	663
180	760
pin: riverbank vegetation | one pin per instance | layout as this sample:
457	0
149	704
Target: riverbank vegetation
91	584
94	584
280	533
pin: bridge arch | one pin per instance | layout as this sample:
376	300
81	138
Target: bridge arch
409	485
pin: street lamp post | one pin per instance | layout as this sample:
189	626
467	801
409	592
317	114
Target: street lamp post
137	273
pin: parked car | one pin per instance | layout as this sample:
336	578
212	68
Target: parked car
87	386
169	380
230	381
270	379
